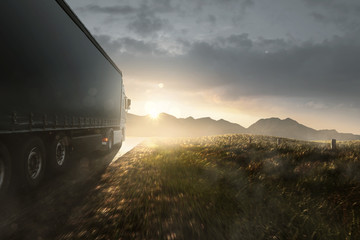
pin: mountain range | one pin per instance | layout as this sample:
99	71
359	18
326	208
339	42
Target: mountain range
166	125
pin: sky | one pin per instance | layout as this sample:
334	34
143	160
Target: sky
238	60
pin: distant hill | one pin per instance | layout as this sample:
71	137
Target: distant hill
282	128
169	126
290	128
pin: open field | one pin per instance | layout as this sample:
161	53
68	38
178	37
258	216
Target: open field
224	187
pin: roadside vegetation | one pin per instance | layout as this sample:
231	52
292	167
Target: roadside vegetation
226	187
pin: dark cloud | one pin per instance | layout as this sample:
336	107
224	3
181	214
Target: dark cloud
327	69
155	6
241	3
147	23
162	6
108	10
147	18
238	7
344	14
128	46
242	8
242	67
109	45
237	41
212	19
142	17
273	45
246	3
134	46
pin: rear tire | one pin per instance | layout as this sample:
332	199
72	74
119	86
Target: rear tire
5	169
31	162
59	153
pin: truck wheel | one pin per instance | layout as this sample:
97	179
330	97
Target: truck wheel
59	153
32	162
5	169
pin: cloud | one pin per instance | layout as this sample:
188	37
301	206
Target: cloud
242	4
128	46
162	6
237	41
141	17
152	10
147	23
134	46
119	9
344	14
212	19
328	69
108	44
244	67
316	105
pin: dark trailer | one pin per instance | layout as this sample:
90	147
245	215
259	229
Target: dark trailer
58	89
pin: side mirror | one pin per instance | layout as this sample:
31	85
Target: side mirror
127	103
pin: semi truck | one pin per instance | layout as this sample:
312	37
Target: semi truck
59	91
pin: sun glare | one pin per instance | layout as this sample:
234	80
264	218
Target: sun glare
154	114
152	109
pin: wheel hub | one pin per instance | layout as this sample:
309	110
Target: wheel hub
60	153
34	163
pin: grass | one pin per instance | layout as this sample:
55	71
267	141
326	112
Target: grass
225	187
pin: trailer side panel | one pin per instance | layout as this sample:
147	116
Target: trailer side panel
52	76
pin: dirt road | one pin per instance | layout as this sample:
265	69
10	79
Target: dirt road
42	213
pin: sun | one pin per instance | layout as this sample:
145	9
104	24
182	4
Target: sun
152	109
154	114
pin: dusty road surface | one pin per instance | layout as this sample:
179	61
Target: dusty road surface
42	213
